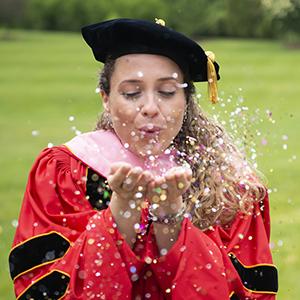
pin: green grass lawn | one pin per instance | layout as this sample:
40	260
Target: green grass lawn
47	77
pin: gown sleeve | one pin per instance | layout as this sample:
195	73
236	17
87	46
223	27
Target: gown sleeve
54	235
193	268
246	254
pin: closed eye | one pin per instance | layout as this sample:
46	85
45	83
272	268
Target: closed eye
167	94
131	95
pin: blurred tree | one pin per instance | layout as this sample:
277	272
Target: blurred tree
147	10
196	18
63	15
245	18
285	16
72	14
12	12
290	19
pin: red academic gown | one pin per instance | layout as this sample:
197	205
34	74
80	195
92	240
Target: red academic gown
67	246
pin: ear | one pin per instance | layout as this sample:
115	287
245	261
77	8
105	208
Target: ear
105	101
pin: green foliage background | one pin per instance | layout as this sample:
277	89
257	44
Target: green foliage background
197	18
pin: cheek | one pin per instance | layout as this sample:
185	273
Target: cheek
174	114
122	113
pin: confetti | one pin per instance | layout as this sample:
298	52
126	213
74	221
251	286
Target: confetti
15	223
138	195
134	277
163	251
35	132
148	260
163	197
127	214
91	241
180	185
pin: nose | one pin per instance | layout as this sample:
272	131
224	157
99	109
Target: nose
150	107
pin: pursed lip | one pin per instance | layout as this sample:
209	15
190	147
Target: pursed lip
150	129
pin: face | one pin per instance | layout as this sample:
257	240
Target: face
146	102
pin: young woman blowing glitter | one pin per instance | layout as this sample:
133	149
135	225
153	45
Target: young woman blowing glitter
157	202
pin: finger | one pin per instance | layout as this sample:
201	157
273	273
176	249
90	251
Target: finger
178	172
171	182
189	174
116	180
131	179
152	195
182	181
160	189
187	171
159	185
115	166
143	181
175	170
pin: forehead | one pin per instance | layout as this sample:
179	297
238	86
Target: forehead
146	64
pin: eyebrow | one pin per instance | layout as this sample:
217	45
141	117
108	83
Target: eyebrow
167	78
138	81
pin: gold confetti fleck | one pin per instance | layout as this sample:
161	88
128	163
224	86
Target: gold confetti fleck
194	199
155	199
148	260
163	197
165	230
180	185
91	241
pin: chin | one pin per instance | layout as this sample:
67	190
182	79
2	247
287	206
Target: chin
150	149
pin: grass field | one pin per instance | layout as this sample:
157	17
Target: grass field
46	78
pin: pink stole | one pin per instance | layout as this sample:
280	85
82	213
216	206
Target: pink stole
99	149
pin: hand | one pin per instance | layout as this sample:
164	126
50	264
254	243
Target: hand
128	183
166	192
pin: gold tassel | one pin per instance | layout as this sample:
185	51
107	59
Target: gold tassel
212	77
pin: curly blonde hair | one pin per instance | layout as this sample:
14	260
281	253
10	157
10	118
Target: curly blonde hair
224	182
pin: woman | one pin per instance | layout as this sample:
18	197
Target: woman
157	203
